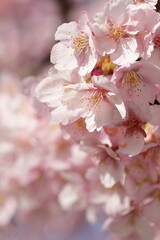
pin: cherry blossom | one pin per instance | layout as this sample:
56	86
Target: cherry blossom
97	102
84	141
121	32
76	44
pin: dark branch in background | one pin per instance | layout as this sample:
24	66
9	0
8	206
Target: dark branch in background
158	6
65	5
155	103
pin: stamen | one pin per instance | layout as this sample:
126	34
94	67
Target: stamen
134	82
116	33
80	43
93	99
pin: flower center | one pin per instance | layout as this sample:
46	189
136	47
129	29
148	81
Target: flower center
156	42
134	82
116	33
104	67
92	99
80	43
132	123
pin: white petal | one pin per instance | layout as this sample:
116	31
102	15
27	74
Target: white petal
62	115
66	31
116	10
49	91
132	144
117	101
87	64
63	57
126	52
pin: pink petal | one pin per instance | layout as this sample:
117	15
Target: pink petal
102	115
104	45
151	211
126	52
117	101
150	72
114	9
66	31
63	57
87	64
62	115
83	19
136	21
132	144
50	90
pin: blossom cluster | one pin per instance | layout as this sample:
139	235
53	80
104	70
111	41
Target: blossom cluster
37	165
104	92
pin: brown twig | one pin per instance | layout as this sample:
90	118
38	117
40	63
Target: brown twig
158	6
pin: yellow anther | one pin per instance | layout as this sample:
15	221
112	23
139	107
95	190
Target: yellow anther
134	82
80	43
116	33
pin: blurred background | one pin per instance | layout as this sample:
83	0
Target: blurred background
29	207
27	30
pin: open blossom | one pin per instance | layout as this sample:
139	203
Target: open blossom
76	48
129	135
142	173
111	171
97	102
137	82
121	32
